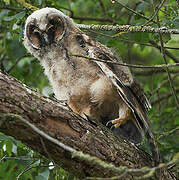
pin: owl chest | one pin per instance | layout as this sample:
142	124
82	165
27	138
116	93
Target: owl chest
70	77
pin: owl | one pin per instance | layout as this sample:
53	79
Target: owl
101	92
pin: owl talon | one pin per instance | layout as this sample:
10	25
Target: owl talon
112	127
115	123
109	123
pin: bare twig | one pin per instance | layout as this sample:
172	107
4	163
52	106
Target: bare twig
25	170
11	8
177	1
155	13
163	83
131	10
130	41
29	167
164	134
166	52
161	66
102	7
16	62
3	158
165	60
145	72
165	96
93	19
22	158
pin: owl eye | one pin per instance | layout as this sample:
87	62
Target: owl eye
55	30
53	21
32	28
34	36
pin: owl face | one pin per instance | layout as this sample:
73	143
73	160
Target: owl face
44	27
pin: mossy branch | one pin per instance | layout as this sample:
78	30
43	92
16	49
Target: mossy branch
145	171
128	28
117	28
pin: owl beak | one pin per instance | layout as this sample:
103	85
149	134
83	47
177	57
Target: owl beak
45	39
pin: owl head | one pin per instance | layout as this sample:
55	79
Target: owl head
44	28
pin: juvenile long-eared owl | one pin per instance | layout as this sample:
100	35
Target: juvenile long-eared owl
103	92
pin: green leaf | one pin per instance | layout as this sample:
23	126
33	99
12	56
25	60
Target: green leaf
142	7
16	46
43	175
141	37
8	18
20	15
8	138
166	37
176	22
7	1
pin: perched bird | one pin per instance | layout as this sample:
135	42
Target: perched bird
101	91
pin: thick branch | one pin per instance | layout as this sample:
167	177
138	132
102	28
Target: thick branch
19	104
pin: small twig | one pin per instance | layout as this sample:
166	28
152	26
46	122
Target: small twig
164	82
93	19
22	158
161	66
48	154
167	133
166	52
67	9
165	60
165	96
153	71
166	47
177	1
3	158
16	62
155	13
31	167
102	7
129	41
129	9
11	8
25	170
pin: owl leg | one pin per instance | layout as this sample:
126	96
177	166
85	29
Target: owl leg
127	115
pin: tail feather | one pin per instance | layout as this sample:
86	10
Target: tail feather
153	147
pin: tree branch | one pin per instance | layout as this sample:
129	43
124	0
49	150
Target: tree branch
22	109
128	28
122	28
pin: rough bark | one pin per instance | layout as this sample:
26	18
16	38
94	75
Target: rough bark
58	122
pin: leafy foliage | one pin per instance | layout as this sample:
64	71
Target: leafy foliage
134	48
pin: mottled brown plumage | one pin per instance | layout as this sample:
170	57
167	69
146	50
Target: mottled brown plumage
101	91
